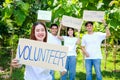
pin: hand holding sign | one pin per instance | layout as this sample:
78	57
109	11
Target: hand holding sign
15	63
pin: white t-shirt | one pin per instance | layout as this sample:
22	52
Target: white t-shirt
36	73
92	43
53	39
70	42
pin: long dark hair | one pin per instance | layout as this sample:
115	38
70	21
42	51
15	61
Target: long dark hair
32	35
72	29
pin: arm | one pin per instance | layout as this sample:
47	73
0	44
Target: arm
84	51
107	32
58	34
107	29
78	40
60	37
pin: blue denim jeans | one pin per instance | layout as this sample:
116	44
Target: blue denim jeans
52	74
70	67
96	63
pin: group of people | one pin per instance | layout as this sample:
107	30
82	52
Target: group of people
90	46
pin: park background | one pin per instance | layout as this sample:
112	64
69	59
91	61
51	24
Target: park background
17	17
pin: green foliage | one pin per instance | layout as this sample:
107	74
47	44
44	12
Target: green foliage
19	17
18	74
8	10
5	60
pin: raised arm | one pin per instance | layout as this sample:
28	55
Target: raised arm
107	29
58	34
107	32
60	37
78	40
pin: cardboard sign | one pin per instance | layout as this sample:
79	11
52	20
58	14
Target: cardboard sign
93	15
41	54
44	15
72	22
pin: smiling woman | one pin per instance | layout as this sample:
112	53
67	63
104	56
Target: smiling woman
70	41
38	33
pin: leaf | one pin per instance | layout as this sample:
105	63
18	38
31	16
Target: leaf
8	11
50	2
57	13
8	1
114	23
114	2
91	1
117	14
13	39
9	23
1	37
25	7
74	1
85	3
99	5
19	17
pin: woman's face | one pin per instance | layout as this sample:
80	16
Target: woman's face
70	32
40	32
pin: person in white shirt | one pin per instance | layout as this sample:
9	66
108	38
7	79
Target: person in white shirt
52	38
70	41
38	33
91	43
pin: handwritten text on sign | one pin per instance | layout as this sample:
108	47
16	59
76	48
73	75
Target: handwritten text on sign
36	53
71	22
93	15
44	15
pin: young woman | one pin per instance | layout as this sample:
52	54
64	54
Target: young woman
38	33
70	41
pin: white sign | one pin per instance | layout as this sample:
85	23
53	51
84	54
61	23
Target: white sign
44	15
71	22
93	15
41	54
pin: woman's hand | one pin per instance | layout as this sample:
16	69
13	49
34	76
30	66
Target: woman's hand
87	55
15	63
63	72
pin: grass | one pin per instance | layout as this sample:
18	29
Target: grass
108	73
